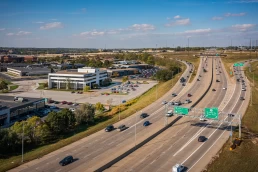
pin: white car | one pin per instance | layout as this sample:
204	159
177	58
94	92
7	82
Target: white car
224	88
243	89
169	113
177	168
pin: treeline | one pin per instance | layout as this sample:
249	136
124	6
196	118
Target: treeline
37	132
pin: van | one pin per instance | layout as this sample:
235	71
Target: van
169	113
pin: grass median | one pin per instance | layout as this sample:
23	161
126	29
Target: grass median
244	157
191	57
83	131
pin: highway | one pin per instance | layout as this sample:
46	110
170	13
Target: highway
179	143
100	147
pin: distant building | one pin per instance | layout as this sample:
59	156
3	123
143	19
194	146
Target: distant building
30	58
29	70
12	58
76	79
122	72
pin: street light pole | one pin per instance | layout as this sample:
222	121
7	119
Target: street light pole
22	139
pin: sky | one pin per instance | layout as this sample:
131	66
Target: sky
127	23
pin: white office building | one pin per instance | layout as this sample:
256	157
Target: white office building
76	79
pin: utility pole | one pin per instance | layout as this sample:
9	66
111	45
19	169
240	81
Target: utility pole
188	46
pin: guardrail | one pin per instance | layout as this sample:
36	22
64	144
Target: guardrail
112	162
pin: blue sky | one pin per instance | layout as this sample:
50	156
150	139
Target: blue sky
127	23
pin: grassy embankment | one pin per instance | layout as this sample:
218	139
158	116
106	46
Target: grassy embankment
244	157
184	56
127	109
10	85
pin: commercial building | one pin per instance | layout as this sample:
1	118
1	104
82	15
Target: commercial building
28	70
15	108
12	58
122	72
76	79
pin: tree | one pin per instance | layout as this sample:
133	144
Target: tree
85	113
3	85
106	82
125	78
55	123
99	106
150	60
106	64
68	117
95	86
86	88
163	75
9	141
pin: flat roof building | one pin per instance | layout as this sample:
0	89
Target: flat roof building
13	108
29	70
76	79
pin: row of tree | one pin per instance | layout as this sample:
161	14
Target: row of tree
36	131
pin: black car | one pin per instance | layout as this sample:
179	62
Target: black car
242	98
109	128
213	89
143	115
201	138
66	160
217	80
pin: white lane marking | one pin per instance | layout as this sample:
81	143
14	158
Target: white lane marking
111	143
209	137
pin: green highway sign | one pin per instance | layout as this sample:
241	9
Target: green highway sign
181	110
238	64
230	72
211	113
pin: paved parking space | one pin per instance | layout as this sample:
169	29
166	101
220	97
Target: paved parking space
28	89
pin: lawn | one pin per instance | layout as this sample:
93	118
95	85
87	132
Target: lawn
13	87
184	56
245	157
41	86
129	108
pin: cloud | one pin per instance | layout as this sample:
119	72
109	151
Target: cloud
23	33
142	27
235	15
217	18
243	27
198	31
177	17
10	34
1	29
93	33
52	26
20	33
181	22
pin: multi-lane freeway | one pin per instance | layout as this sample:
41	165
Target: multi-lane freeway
177	144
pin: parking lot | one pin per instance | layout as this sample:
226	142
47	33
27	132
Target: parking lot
124	92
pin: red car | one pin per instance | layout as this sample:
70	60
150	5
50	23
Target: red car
189	95
64	102
69	103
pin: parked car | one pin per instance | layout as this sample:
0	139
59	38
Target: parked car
64	102
72	92
201	138
121	128
109	128
66	160
144	115
75	104
69	103
72	109
146	123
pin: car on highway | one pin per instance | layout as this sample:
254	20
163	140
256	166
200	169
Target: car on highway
171	103
198	79
202	118
164	102
224	88
217	80
178	168
109	128
183	84
146	123
121	127
66	160
169	113
201	138
174	94
242	98
177	103
213	89
243	89
187	101
189	95
144	115
123	101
